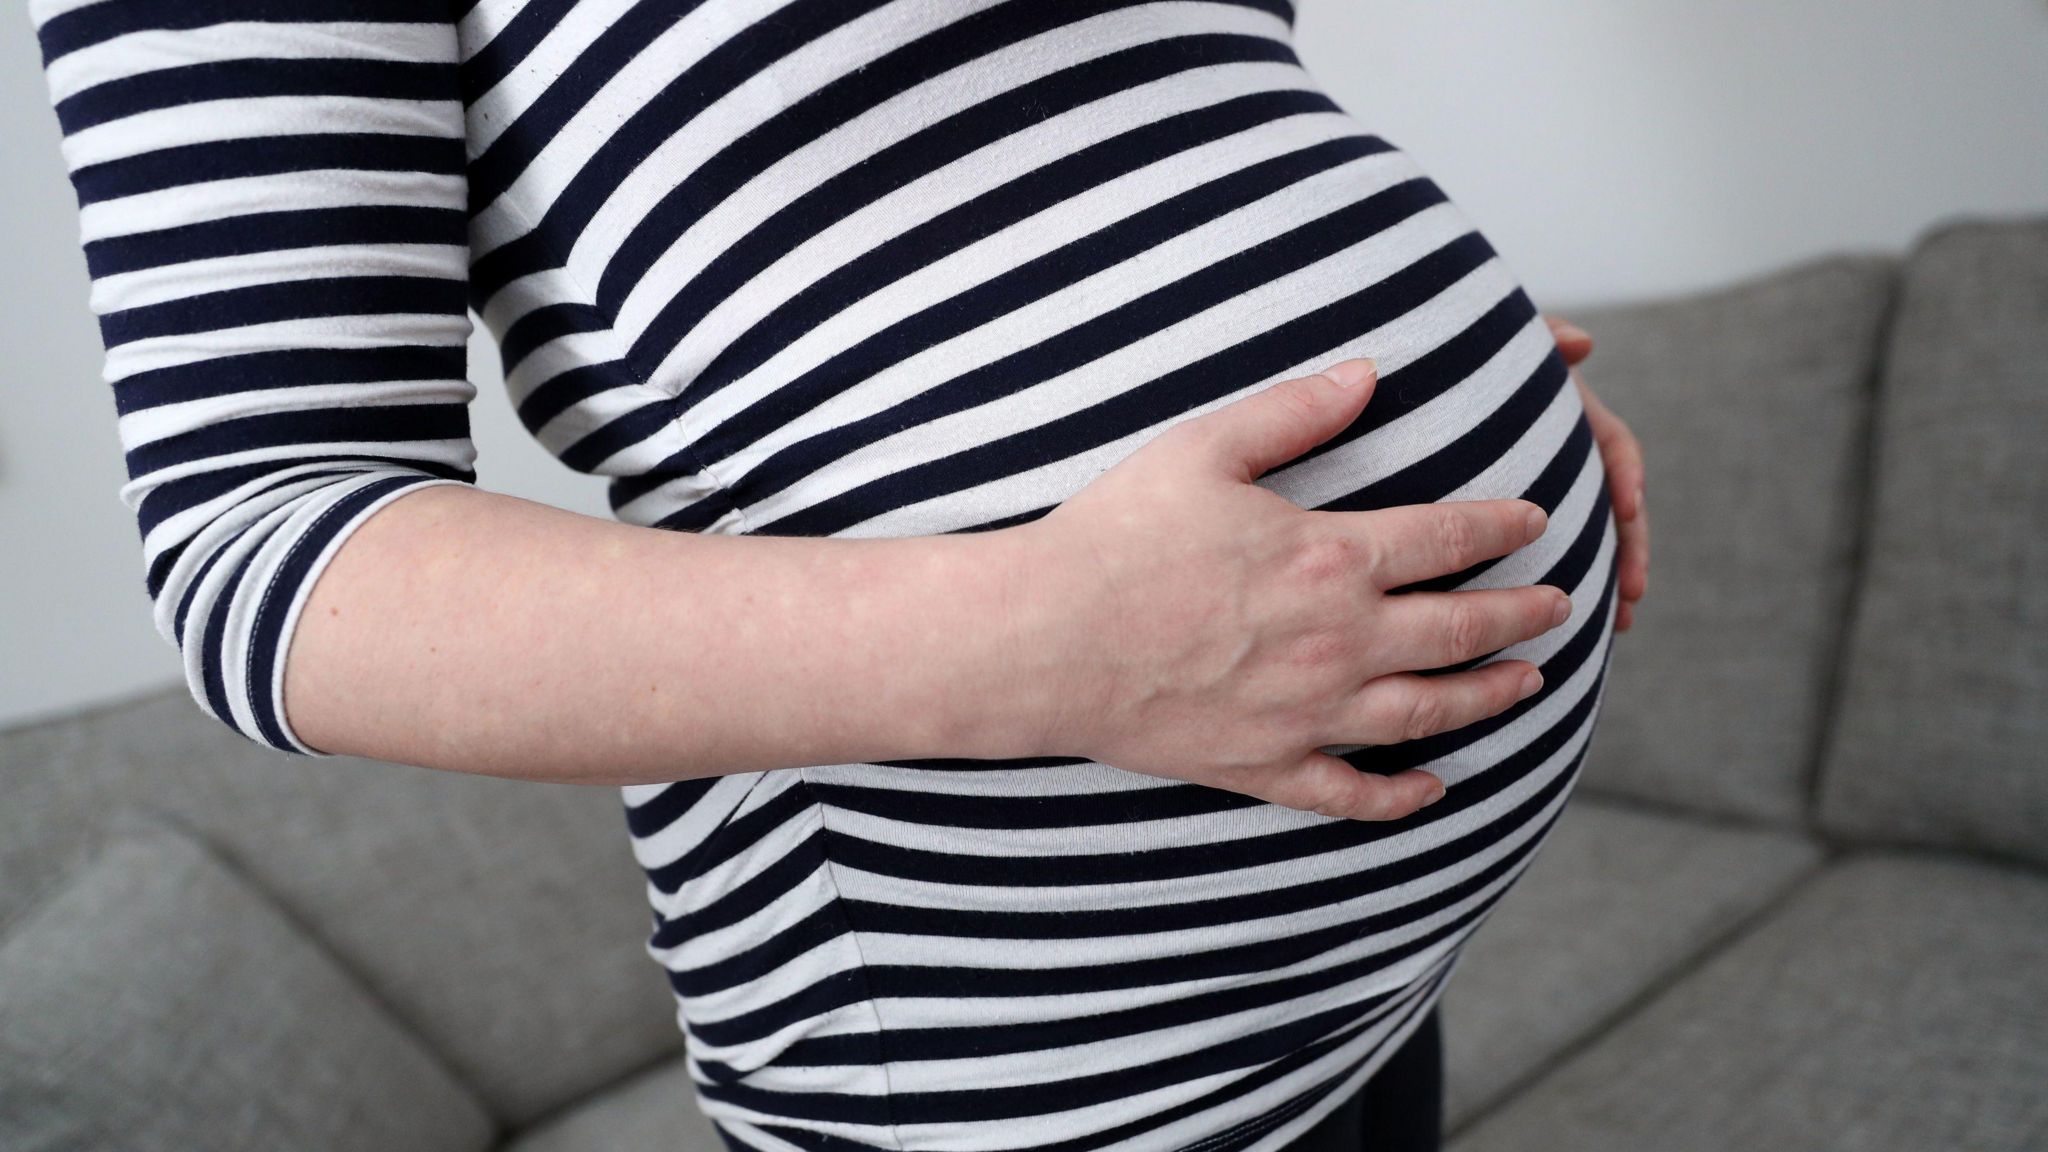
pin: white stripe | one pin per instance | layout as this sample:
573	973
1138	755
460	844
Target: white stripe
152	49
170	282
381	330
251	118
286	191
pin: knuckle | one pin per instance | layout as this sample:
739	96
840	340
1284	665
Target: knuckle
1329	557
1298	396
1320	647
1424	715
1198	434
1465	627
1376	802
1456	535
1372	554
1507	693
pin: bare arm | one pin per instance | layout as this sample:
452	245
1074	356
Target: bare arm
1173	618
467	630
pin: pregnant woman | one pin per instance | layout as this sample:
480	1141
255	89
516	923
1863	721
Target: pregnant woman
1090	517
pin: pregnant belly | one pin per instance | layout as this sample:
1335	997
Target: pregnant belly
946	939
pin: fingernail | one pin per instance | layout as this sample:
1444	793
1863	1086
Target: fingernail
1531	681
1537	518
1435	795
1573	332
1351	373
1639	500
1562	611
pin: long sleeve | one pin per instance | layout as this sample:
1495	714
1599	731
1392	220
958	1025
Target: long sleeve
272	203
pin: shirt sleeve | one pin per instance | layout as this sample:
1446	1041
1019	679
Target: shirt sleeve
272	204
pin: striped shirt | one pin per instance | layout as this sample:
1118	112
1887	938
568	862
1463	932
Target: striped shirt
853	268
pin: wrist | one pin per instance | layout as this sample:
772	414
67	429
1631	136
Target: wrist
1041	642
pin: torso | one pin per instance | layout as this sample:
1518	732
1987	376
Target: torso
858	269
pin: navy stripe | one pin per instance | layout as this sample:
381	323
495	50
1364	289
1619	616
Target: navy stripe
184	164
391	425
270	303
284	367
97	23
213	643
277	232
252	79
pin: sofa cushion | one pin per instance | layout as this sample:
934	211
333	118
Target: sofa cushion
1942	736
1615	901
503	921
655	1111
1751	404
156	1002
1894	1004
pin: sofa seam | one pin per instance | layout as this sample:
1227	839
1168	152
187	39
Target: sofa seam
1739	929
227	860
1864	476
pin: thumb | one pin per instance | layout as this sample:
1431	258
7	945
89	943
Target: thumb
1329	786
1274	425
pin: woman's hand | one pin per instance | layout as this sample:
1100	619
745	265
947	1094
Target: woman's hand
1625	474
1208	629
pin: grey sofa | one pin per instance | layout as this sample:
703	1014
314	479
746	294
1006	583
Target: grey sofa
1800	901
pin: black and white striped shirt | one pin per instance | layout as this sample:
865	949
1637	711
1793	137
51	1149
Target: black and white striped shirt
852	267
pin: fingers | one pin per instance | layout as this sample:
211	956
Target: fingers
1573	342
1633	580
1404	706
1619	450
1414	542
1623	457
1438	629
1327	785
1278	423
1389	710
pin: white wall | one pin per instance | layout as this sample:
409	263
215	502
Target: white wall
1610	148
1614	149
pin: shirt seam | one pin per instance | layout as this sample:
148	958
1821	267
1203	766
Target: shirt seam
272	689
860	956
689	445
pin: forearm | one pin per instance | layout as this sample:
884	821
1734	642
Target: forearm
470	631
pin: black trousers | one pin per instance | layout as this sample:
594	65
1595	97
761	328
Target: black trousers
1399	1109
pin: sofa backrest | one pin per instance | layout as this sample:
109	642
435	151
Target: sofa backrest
1941	737
501	922
1752	404
154	1001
